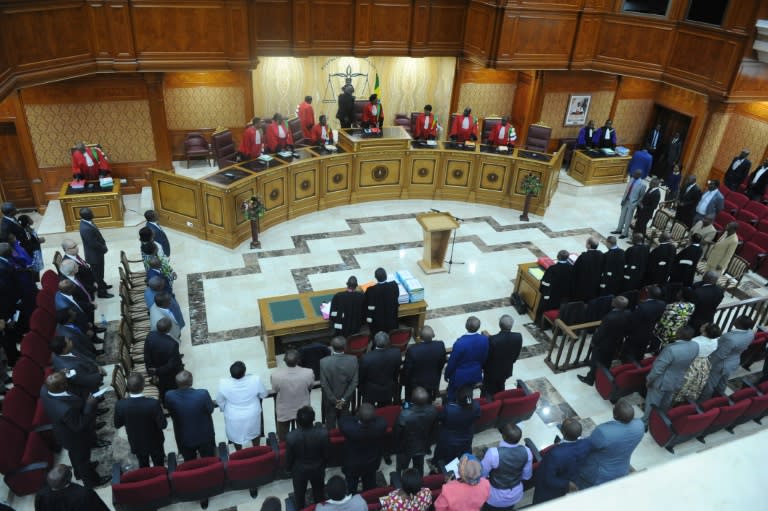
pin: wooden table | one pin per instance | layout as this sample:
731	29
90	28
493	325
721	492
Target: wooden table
299	315
527	286
599	170
106	204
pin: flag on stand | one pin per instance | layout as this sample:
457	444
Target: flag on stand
376	88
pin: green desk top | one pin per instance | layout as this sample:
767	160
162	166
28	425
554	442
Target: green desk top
286	310
317	300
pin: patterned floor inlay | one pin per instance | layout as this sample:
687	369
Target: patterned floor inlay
552	407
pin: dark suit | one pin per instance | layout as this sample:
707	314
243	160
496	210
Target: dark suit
756	189
608	337
347	312
62	301
377	375
684	267
556	286
362	450
635	263
381	306
306	455
465	365
12	226
161	237
94	248
612	445
503	350
88	378
10	290
686	205
660	264
73	420
412	433
645	209
82	297
706	298
81	343
423	367
612	278
338	379
161	353
71	498
735	176
144	422
642	321
586	275
85	275
558	468
191	411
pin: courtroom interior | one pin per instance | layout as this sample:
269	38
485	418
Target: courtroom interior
283	146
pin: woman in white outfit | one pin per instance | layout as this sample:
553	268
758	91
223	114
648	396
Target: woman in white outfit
239	399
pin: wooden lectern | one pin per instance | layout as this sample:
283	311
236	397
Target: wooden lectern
437	233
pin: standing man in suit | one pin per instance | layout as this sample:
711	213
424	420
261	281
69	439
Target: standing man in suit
74	427
690	195
737	170
654	139
144	422
586	272
252	143
306	456
635	263
84	270
757	182
64	299
560	464
162	357
674	152
338	379
631	198
278	137
87	377
684	267
726	358
379	369
668	371
373	113
642	321
465	365
81	341
503	350
306	116
612	445
191	411
426	126
346	111
94	247
556	284
642	161
160	237
413	430
61	494
9	224
503	134
711	202
68	269
647	206
660	261
347	309
707	295
586	135
612	278
292	384
364	438
723	249
162	309
605	136
423	366
608	337
381	303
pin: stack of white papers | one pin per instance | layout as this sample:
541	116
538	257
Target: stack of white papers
411	284
265	157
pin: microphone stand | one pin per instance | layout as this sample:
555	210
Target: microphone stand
450	260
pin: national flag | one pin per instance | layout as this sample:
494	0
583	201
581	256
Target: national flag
376	88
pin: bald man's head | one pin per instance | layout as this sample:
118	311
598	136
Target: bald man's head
156	283
164	325
59	477
184	379
420	396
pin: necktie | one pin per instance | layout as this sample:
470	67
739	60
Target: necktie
655	139
629	190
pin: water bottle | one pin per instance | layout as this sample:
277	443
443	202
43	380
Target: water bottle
103	321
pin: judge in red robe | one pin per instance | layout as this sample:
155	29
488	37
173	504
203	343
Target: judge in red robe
278	136
373	114
503	134
252	141
321	132
88	163
464	127
426	127
307	117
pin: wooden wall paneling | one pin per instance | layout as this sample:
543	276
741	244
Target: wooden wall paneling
692	104
437	27
751	82
273	188
178	201
585	46
636	88
382	27
420	27
558	5
238	47
112	39
274	22
12	109
601	5
154	82
742	15
335	181
633	45
480	31
332	26
578	81
536	40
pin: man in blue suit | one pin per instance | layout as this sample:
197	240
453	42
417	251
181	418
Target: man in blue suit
612	445
465	366
160	236
191	411
642	161
560	463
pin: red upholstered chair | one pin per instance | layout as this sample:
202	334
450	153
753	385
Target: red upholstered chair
24	458
755	351
224	149
390	414
28	375
403	120
372	496
46	301
752	212
722	219
50	281
745	232
678	424
538	137
252	467
336	454
196	147
571	313
758	405
489	415
25	411
755	250
734	202
36	348
43	323
729	413
400	338
725	191
357	344
197	479
517	404
140	489
762	225
489	124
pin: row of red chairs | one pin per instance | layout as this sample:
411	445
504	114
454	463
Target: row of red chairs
28	443
753	238
622	380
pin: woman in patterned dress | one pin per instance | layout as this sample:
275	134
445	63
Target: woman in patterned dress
676	316
698	373
411	497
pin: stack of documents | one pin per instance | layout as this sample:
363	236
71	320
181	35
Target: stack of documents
403	297
537	272
265	157
411	284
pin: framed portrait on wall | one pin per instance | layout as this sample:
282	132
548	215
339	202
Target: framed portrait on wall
578	109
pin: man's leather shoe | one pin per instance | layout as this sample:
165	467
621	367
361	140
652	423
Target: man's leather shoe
99	330
109	286
101	411
585	379
100	424
101	481
102	443
622	236
104	294
615	232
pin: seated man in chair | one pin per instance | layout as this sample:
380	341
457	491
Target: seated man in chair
373	114
503	134
464	127
322	134
426	125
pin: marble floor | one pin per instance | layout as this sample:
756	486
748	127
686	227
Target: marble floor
218	289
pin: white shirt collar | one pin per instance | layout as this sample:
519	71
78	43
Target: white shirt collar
135	395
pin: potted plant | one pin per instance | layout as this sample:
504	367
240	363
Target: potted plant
253	209
531	187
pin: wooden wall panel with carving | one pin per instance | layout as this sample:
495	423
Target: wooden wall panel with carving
585	47
383	27
438	27
716	61
479	32
273	188
271	26
751	82
335	182
633	46
740	16
539	40
692	104
111	35
636	88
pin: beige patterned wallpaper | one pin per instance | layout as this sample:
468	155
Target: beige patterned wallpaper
553	113
631	120
123	128
708	151
742	131
487	98
407	84
210	107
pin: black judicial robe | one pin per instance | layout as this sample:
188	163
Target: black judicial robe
556	286
347	312
586	275
72	498
684	267
635	263
381	307
660	264
612	279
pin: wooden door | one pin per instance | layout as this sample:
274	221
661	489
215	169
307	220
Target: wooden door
14	183
671	122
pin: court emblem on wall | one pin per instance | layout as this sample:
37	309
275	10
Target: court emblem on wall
340	76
